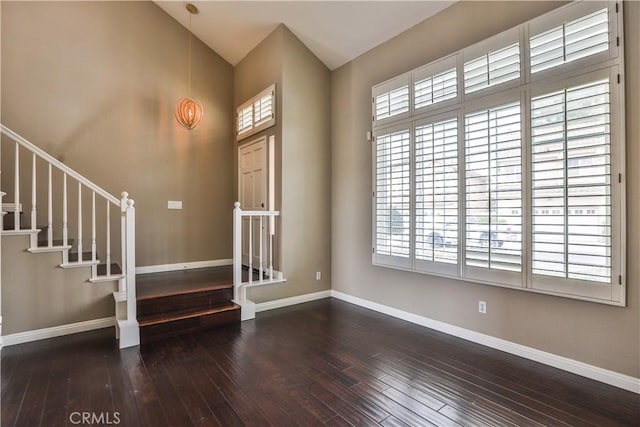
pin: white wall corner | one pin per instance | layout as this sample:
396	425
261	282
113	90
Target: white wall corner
606	376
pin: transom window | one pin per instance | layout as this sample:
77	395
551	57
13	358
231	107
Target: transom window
503	163
256	114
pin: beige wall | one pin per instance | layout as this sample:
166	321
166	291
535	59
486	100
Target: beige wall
303	151
597	334
45	295
94	84
258	70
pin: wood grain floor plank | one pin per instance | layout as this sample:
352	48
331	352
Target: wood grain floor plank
320	363
147	402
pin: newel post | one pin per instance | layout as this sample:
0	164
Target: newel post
237	250
1	228
129	330
129	258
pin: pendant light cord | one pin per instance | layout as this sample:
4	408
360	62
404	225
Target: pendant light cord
190	53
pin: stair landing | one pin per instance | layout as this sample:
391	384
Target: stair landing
178	302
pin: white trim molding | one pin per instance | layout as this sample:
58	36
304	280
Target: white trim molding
57	331
606	376
285	302
160	268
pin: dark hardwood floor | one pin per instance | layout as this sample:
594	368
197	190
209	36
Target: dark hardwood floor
325	362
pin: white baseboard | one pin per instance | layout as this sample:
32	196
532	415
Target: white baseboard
285	302
606	376
182	266
57	331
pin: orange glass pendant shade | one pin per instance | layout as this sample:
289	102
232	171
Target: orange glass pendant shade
189	112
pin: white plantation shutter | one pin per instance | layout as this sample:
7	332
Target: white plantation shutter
493	157
256	114
436	88
571	185
393	197
436	182
518	179
263	109
245	119
492	68
569	41
392	103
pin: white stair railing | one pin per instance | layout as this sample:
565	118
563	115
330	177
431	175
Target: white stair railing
127	326
262	272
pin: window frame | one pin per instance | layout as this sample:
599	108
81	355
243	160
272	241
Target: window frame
261	124
565	75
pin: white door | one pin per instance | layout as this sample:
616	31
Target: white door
252	162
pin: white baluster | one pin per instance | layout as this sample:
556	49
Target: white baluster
271	248
93	226
50	210
65	213
250	249
108	239
16	197
33	193
260	250
79	220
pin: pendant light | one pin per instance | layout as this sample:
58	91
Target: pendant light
189	110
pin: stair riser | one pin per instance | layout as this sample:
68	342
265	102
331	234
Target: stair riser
192	301
8	222
177	327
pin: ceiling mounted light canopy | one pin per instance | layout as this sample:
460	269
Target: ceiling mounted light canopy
189	110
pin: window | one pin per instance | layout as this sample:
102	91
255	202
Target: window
493	185
256	114
571	170
492	68
436	88
436	184
391	103
393	197
570	41
390	100
516	180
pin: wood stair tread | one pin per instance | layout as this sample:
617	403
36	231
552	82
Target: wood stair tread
184	314
178	292
175	282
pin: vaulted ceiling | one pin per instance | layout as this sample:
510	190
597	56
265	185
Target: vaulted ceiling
335	31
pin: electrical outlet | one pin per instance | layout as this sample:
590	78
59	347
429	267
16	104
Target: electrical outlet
318	275
482	307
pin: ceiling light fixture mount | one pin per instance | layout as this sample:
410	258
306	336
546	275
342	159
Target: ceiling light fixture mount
189	110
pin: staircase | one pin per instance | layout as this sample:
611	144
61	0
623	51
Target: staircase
77	245
179	302
168	303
